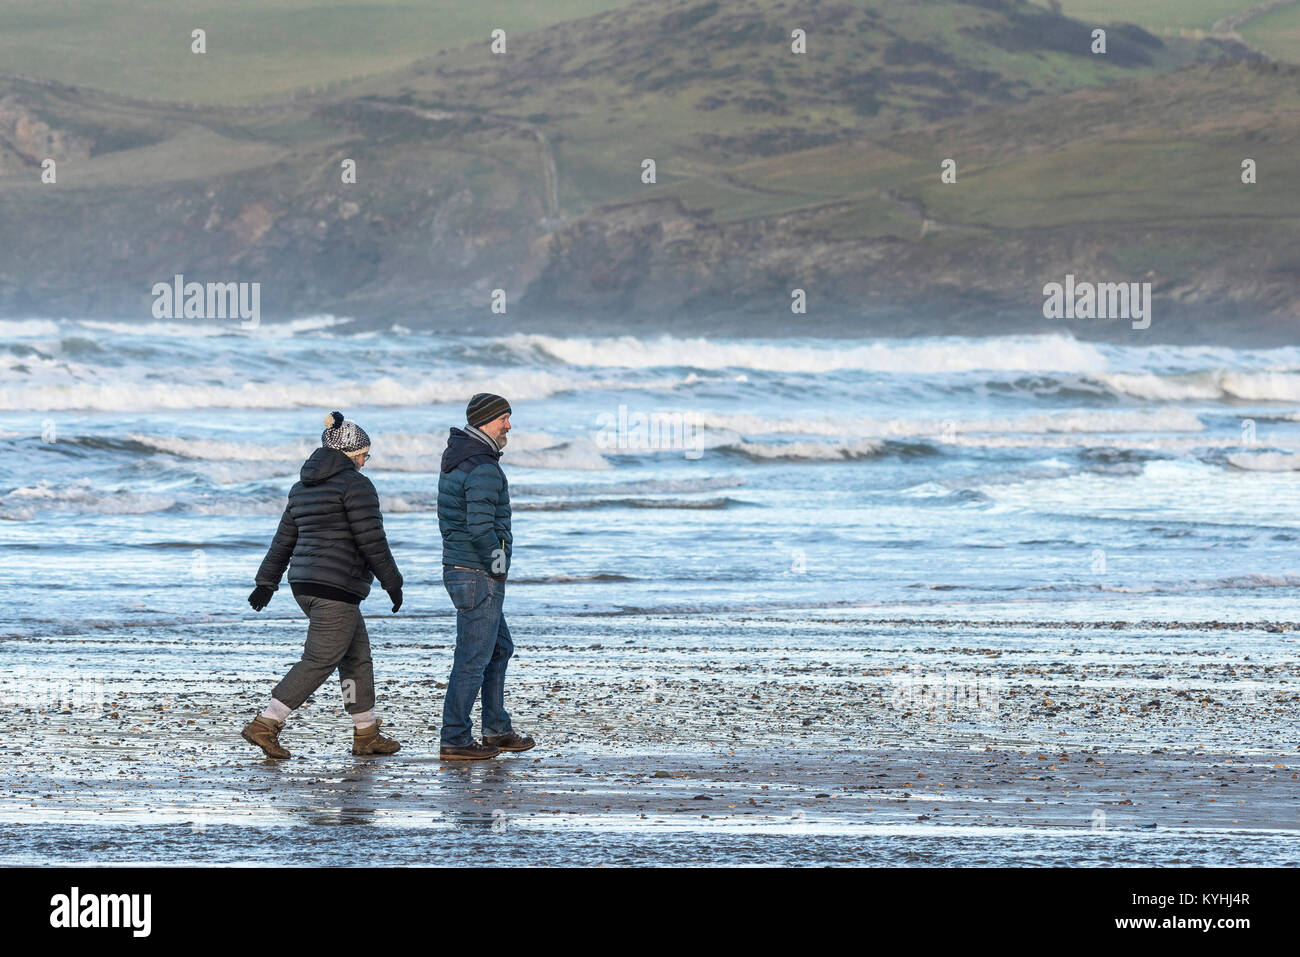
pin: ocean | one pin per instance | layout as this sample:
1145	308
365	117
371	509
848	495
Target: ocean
145	465
789	577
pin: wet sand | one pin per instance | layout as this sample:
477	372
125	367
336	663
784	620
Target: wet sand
721	739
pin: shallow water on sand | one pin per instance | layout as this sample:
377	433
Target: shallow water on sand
721	739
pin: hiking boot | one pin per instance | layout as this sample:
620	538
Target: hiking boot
508	741
370	741
265	733
468	752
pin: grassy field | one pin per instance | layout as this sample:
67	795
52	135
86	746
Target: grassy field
1277	33
255	48
1157	16
258	49
1164	164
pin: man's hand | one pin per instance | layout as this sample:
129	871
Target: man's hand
396	595
261	597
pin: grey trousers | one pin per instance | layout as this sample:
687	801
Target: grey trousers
336	638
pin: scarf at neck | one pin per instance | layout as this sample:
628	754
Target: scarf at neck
480	434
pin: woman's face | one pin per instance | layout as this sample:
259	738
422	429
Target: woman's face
359	459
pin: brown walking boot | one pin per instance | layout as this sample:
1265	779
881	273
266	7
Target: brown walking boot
265	733
468	752
369	741
508	741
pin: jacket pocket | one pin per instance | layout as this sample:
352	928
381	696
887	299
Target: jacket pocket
358	570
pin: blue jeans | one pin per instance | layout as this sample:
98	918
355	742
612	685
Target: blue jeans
483	649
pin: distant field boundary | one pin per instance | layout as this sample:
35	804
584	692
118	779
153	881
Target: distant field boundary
1226	27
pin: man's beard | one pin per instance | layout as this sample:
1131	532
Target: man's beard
501	441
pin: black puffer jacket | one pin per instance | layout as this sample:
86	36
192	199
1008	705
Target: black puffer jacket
331	532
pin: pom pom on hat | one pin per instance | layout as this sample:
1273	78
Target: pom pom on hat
334	420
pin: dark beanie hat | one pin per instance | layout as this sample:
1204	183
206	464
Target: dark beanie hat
485	407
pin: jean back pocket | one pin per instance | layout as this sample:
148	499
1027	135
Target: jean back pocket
465	592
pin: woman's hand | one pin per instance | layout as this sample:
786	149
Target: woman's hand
261	597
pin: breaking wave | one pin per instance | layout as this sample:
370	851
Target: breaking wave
1011	353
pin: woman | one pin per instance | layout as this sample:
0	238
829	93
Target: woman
331	536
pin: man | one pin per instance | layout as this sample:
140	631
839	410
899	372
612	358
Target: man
474	517
331	537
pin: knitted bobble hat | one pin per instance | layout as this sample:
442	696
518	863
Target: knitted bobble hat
484	407
343	435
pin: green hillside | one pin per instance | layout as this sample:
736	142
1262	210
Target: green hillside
256	49
1269	26
1158	16
1276	33
523	171
706	84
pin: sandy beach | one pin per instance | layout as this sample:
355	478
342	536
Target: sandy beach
869	432
720	739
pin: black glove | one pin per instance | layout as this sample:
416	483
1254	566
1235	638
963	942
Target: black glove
396	595
261	597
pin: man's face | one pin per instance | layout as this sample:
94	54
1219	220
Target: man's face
498	428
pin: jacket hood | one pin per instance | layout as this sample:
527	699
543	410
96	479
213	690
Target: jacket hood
323	464
461	445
